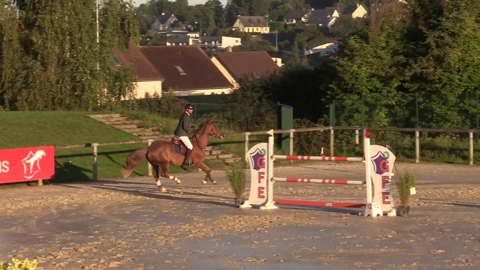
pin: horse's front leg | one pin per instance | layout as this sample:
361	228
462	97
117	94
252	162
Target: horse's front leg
207	171
157	179
167	175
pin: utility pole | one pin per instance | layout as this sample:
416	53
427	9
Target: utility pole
98	28
98	33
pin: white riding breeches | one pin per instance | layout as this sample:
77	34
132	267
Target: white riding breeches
186	141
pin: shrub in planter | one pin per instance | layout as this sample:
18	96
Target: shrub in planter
236	178
405	186
16	264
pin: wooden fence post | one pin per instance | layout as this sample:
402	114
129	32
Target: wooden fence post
290	151
332	141
470	139
149	166
357	136
95	165
417	146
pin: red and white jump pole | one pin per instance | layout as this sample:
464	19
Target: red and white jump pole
378	160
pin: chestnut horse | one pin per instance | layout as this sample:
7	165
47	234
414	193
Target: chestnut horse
162	154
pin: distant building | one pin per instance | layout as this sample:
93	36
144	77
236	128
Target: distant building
355	11
323	17
230	42
325	49
215	41
179	39
295	16
187	71
246	65
251	24
148	81
167	23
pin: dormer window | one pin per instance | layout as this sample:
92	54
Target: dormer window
180	70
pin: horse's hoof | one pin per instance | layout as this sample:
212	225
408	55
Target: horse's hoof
204	182
214	182
162	189
178	181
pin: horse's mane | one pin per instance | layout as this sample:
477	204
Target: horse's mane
202	126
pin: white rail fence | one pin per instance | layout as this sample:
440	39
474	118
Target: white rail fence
416	132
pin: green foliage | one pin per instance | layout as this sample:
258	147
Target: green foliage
310	143
250	107
17	264
168	105
406	181
236	178
54	61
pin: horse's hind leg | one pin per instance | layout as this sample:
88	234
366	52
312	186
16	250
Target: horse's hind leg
166	175
207	170
157	179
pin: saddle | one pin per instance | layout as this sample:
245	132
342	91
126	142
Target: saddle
178	145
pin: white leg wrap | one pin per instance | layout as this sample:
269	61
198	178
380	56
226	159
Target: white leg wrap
174	178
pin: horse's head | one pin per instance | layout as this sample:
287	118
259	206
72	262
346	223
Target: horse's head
213	130
210	129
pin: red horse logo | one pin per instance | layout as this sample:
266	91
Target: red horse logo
31	163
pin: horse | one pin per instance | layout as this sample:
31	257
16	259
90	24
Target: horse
162	154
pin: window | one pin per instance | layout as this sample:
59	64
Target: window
180	70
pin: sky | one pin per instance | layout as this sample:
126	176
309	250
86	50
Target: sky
190	2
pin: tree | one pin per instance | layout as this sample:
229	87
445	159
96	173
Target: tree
251	108
444	73
218	12
50	58
11	54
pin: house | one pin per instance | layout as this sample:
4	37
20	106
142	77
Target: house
251	24
230	42
323	17
245	65
325	49
295	16
177	40
355	11
148	81
167	23
210	41
215	41
187	71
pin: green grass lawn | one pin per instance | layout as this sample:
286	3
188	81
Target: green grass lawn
24	129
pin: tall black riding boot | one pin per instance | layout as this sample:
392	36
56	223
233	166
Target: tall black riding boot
186	161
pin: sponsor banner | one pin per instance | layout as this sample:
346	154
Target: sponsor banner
381	173
257	159
27	164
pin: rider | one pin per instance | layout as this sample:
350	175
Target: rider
182	130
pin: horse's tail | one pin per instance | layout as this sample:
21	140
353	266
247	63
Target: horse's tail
133	160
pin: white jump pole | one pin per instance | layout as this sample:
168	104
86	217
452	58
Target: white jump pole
379	162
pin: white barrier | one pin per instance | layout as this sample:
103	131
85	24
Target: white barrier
379	162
